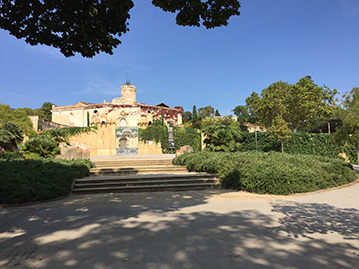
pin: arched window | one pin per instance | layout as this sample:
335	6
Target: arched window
123	123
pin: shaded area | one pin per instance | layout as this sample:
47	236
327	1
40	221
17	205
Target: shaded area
24	181
305	219
189	234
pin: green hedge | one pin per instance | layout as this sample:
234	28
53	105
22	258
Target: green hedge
299	143
183	136
270	172
23	181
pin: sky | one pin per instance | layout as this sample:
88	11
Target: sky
277	40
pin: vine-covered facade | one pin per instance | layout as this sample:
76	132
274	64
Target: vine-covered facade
117	121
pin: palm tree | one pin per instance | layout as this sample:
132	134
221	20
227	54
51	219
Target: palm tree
10	136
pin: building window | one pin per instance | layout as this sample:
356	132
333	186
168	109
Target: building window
123	123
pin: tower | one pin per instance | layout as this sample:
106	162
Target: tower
128	95
128	92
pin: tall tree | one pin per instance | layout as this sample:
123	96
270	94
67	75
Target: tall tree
279	130
307	101
252	105
242	113
45	111
194	113
91	26
350	129
186	116
217	114
207	111
297	104
18	117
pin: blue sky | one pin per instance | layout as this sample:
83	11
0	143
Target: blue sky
270	41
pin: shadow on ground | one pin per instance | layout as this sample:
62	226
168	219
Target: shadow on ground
304	219
147	235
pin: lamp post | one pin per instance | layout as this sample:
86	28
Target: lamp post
255	132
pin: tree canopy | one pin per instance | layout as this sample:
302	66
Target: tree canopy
207	111
242	113
350	128
279	130
16	116
92	26
297	104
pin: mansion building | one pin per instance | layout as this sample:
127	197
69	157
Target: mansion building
117	121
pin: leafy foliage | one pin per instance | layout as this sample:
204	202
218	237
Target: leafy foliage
6	156
183	136
297	104
10	136
47	143
186	116
242	113
24	181
350	130
89	27
187	136
45	111
221	138
207	111
299	143
279	130
194	113
271	172
40	146
18	117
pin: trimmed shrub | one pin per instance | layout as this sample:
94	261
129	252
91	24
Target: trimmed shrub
270	172
6	156
299	143
23	181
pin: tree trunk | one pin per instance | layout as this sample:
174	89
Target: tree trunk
13	147
282	146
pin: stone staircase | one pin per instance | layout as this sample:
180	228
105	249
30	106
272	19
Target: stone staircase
142	175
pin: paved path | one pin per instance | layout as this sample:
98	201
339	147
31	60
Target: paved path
203	229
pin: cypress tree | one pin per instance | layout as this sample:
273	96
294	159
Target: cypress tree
194	113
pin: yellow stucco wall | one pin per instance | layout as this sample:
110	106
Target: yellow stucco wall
101	143
149	148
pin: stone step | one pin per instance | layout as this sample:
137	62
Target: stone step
150	177
137	170
141	175
142	183
150	188
130	163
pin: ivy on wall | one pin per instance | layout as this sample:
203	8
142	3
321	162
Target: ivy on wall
183	136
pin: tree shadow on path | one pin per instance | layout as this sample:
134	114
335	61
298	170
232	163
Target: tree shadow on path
185	235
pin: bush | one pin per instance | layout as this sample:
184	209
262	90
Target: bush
23	181
183	136
298	143
270	172
6	156
40	146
